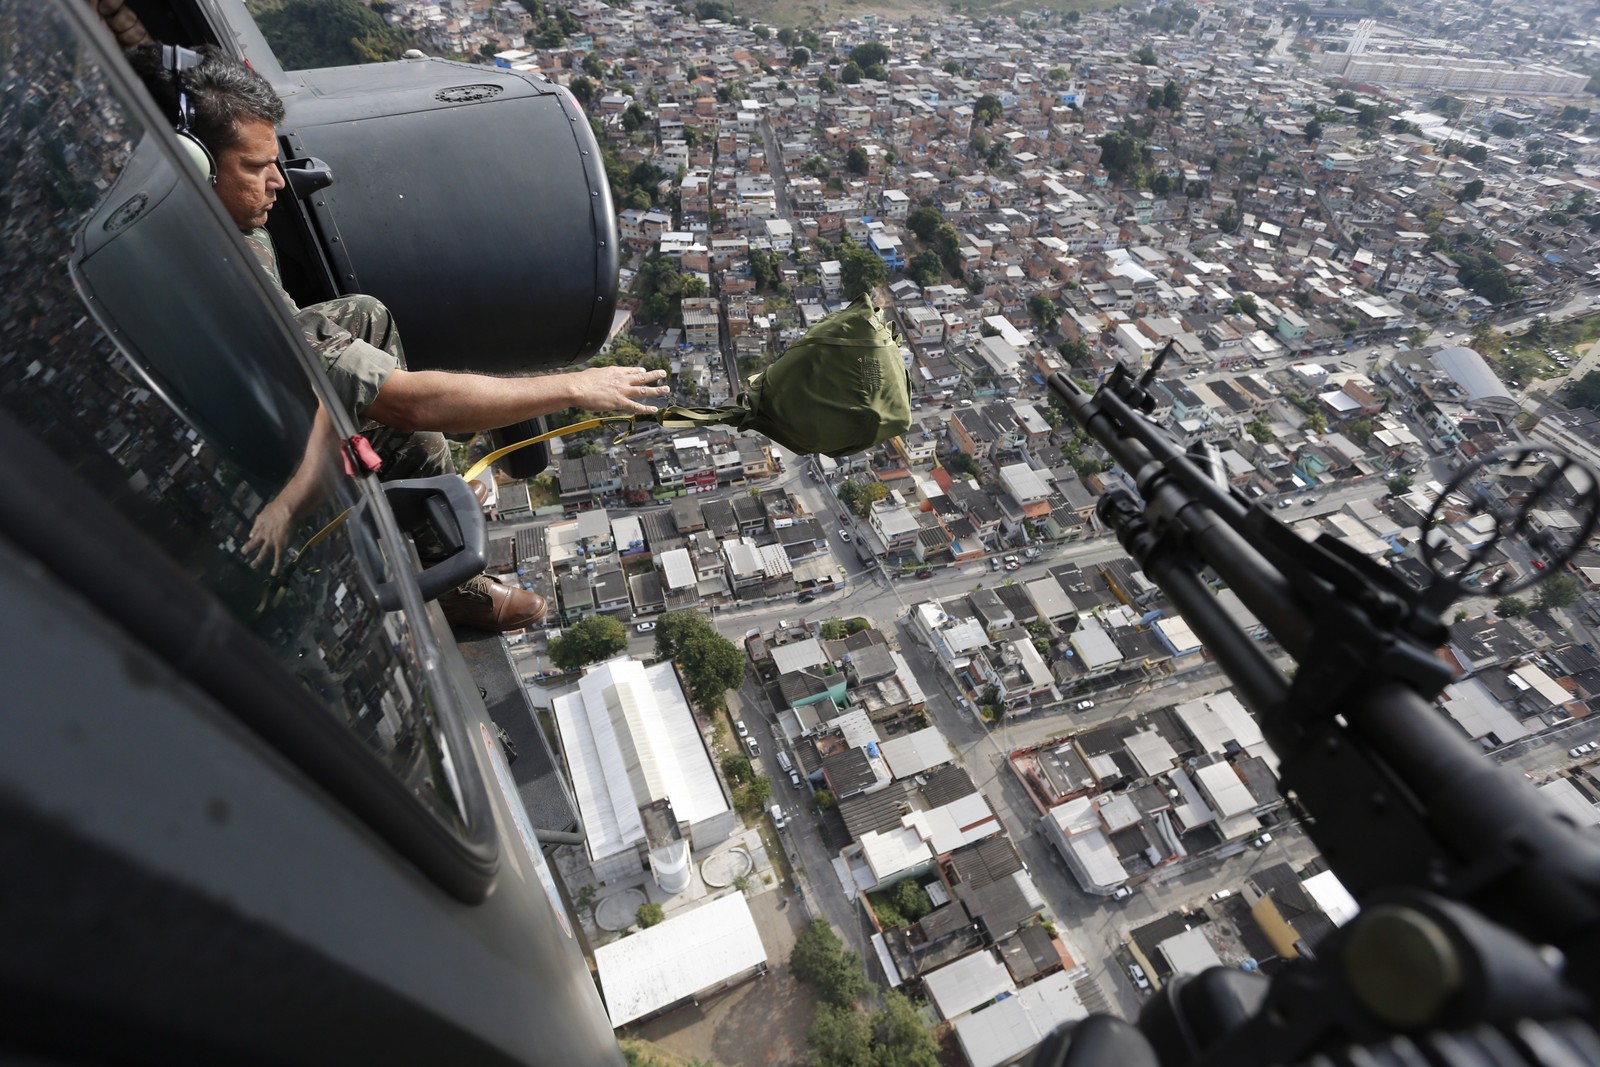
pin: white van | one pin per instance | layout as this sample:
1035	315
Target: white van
783	761
777	816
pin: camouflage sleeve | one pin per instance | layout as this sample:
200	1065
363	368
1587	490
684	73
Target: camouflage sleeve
356	368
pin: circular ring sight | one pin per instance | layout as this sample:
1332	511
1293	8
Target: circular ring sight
1543	498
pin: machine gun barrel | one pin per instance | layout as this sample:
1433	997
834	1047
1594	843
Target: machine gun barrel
1399	797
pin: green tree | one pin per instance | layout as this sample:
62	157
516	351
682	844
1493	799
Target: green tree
799	57
1172	96
1313	129
825	82
1146	56
1316	422
924	221
1399	484
1478	154
736	767
925	268
751	798
1121	154
850	74
1260	429
987	110
840	1037
583	89
833	629
1360	430
1512	607
860	269
1345	99
1470	191
870	56
820	960
329	33
1075	352
911	899
711	664
856	160
900	1036
963	464
1562	591
1244	303
1586	390
1043	310
648	915
599	637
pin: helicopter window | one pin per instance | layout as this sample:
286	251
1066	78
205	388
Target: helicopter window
141	349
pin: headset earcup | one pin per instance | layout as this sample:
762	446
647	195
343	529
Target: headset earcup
198	154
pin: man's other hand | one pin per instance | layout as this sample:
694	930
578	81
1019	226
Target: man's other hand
270	534
617	389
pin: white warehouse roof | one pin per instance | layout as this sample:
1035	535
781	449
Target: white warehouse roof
663	964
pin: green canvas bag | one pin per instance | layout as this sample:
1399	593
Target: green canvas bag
840	389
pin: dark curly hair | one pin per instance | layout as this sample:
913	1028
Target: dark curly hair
221	91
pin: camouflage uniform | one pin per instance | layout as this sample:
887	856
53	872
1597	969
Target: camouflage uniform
359	344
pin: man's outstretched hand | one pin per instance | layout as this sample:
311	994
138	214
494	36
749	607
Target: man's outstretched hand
617	389
269	535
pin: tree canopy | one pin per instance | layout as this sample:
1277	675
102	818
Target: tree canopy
820	960
860	269
329	33
1562	591
586	641
710	663
987	109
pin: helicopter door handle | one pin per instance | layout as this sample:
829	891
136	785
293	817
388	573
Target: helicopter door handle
446	508
305	176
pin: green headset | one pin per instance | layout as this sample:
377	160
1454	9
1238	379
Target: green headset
178	59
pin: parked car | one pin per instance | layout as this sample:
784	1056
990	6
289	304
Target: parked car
740	728
1538	564
777	816
844	535
1284	503
1582	750
1137	973
806	598
794	779
783	624
1221	894
645	627
844	516
1085	705
752	746
924	574
1122	893
1261	841
994	564
1308	501
1013	566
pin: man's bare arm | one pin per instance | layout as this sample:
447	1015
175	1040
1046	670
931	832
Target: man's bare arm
465	403
276	522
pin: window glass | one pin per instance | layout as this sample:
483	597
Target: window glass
138	344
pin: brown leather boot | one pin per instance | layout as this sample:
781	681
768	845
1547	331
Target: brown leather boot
485	604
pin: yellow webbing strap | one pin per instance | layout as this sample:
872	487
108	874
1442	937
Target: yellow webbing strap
587	424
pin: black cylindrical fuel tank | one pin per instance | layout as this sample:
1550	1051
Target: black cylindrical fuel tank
470	199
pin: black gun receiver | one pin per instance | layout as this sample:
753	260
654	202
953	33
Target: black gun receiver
1479	935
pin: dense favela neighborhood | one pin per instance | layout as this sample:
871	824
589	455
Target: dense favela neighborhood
898	757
